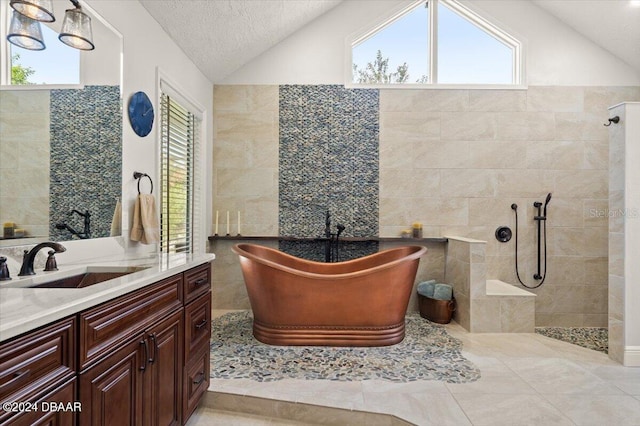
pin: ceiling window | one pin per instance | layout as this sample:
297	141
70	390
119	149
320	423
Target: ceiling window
436	42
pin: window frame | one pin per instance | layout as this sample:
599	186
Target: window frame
506	38
198	231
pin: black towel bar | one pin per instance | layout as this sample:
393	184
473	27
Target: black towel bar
139	176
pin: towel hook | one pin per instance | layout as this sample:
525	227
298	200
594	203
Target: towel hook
139	176
615	120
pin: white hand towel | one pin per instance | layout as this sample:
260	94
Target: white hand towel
146	226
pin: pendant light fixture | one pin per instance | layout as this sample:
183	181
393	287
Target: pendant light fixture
39	10
76	28
25	32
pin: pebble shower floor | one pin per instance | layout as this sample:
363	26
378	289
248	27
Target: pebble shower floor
588	337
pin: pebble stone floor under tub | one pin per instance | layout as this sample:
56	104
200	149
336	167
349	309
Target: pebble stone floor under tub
426	353
526	379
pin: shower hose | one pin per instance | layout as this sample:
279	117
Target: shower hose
515	209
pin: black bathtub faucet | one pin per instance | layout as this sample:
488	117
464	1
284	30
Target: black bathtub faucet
86	233
331	240
327	224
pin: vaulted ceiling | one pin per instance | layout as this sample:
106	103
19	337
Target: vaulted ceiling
613	25
220	36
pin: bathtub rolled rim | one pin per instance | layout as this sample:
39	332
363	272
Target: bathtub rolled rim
418	253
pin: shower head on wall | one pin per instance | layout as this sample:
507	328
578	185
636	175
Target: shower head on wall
546	202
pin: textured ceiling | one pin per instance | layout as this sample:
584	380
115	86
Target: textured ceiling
612	24
220	36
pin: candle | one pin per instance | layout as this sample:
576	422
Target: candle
227	222
217	214
238	222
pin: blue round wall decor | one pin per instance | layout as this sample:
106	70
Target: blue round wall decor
141	113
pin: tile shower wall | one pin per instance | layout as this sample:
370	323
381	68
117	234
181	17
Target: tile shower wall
328	161
470	154
86	152
455	160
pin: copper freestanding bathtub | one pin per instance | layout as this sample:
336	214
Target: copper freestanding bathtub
360	302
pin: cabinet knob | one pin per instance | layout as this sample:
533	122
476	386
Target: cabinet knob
199	378
201	324
200	281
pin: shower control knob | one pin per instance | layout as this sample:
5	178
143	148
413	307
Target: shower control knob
503	234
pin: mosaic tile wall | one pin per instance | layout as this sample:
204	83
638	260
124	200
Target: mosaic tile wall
86	158
328	160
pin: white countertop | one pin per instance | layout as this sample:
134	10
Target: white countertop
24	309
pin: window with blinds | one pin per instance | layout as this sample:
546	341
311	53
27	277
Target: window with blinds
179	139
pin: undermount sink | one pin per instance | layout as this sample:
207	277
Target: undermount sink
88	277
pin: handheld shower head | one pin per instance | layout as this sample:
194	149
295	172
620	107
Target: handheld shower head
546	202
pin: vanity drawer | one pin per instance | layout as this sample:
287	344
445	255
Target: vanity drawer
32	363
63	397
197	281
105	327
197	320
196	382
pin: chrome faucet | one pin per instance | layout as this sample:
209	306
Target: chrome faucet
30	255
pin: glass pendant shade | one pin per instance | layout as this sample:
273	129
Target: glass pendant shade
40	10
25	32
76	30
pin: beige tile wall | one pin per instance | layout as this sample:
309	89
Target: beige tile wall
456	160
245	158
24	160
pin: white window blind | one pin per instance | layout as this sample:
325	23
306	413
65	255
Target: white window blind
179	142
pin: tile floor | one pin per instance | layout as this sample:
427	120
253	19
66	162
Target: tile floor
527	379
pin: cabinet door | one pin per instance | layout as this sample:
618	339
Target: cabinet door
163	378
111	390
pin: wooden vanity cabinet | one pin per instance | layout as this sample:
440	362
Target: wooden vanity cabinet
144	377
128	361
159	330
